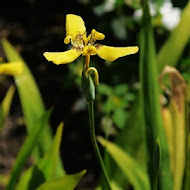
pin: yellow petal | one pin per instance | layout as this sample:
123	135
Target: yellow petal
74	25
12	68
112	53
62	57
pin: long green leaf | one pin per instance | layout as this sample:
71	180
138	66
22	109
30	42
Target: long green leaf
32	104
6	104
68	182
26	150
50	159
131	169
172	50
31	179
30	98
150	104
45	169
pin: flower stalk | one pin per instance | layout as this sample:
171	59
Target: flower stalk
88	90
94	142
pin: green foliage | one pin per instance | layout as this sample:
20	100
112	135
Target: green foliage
68	182
133	4
43	174
31	179
116	103
185	68
26	150
5	105
49	161
28	92
127	140
130	143
156	162
45	169
130	167
32	104
150	105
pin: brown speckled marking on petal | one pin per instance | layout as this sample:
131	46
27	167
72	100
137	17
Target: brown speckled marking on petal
98	46
89	50
77	49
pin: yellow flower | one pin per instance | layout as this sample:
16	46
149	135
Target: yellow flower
76	35
12	68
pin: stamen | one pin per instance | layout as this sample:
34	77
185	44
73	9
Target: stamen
78	42
81	45
67	39
92	40
97	35
75	44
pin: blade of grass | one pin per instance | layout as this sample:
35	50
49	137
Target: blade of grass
45	168
68	182
150	105
131	169
49	161
6	104
26	150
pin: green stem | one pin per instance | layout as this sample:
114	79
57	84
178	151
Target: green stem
94	142
155	181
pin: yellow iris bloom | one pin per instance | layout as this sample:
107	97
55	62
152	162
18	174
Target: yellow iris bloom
12	68
83	45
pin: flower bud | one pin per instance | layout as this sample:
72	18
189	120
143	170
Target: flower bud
88	87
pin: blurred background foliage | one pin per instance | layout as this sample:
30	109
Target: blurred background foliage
34	27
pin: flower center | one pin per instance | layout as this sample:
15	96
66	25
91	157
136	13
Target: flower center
80	41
